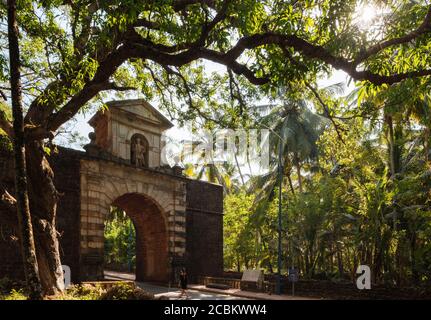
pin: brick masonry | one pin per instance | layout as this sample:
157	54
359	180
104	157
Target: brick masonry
66	167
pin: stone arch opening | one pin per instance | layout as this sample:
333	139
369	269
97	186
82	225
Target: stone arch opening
120	241
151	236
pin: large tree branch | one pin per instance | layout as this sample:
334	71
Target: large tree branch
145	49
207	28
162	55
136	46
180	5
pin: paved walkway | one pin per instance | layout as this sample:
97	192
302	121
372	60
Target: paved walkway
174	293
248	294
116	275
170	293
200	292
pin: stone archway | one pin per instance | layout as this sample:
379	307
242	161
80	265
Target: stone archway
156	202
151	236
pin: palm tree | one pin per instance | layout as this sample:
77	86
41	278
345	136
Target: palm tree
295	130
206	168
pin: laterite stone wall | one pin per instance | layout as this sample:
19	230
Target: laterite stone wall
204	229
179	220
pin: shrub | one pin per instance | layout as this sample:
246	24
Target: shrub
124	291
12	290
82	292
14	295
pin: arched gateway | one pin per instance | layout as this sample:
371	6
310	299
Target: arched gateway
156	204
178	221
151	226
165	207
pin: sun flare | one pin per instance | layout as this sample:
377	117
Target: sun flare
366	15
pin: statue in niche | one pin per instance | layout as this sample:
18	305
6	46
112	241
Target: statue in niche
139	152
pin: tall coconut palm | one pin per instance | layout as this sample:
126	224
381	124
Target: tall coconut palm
204	167
295	130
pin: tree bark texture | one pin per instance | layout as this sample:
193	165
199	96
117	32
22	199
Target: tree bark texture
23	205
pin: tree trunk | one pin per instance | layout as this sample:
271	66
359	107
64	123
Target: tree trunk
427	139
340	261
298	172
413	266
289	179
398	147
338	253
390	133
377	259
43	204
23	207
307	261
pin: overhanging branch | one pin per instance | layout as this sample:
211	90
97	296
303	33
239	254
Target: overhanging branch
116	87
133	45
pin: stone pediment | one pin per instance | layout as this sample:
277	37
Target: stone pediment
141	109
130	130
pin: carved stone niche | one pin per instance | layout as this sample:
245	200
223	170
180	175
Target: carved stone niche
139	150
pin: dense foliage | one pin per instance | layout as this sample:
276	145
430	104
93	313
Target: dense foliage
120	238
364	198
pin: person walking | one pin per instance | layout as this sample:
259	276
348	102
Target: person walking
183	283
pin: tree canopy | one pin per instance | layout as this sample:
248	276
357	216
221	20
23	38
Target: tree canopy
73	51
